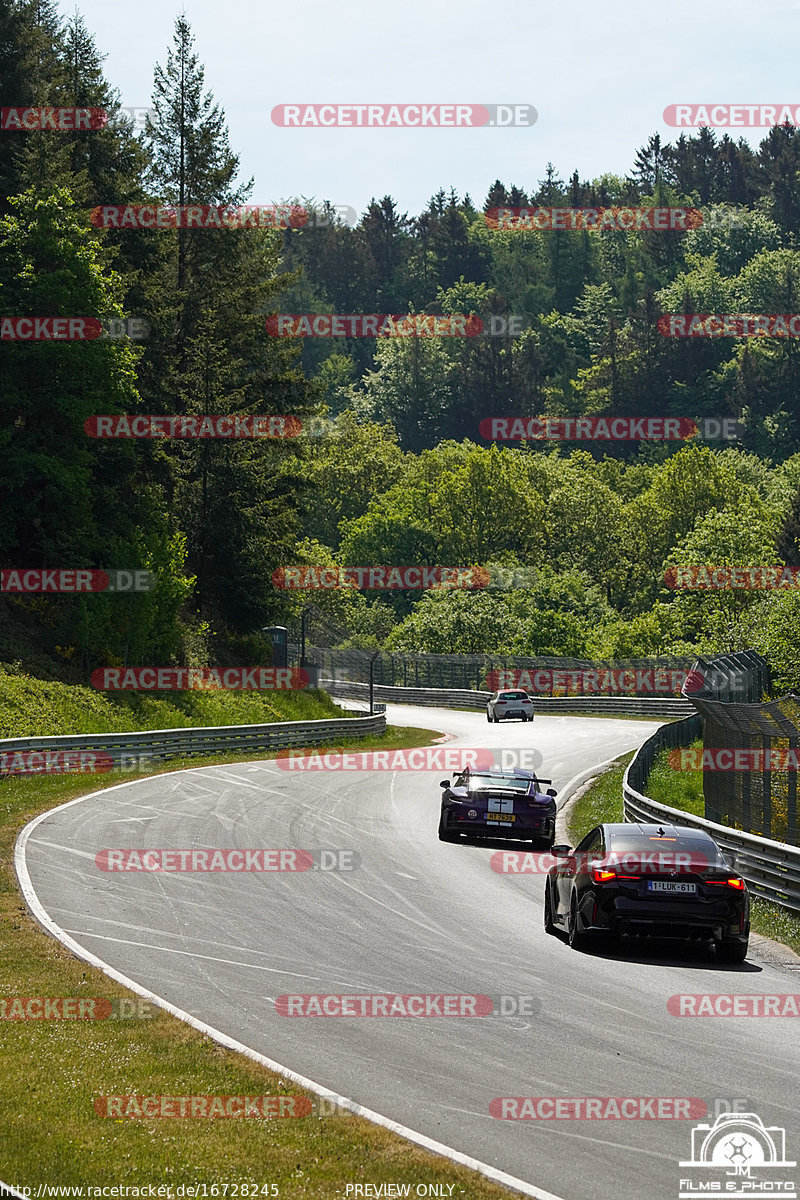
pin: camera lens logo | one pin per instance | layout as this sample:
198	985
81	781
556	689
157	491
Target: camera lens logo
743	1152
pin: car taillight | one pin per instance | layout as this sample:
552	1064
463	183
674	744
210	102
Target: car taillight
502	702
733	882
602	875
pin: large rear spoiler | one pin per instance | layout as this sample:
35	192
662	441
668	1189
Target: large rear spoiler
469	771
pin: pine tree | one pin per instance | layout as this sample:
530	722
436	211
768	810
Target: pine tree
497	196
779	160
237	498
650	165
34	74
551	188
192	159
386	234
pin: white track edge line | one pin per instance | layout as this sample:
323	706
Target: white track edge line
411	1135
6	1187
577	780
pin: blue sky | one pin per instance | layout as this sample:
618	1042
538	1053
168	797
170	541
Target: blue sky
599	72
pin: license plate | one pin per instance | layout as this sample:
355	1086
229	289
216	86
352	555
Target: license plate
684	889
491	817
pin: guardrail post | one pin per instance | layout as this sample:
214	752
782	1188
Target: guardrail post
372	682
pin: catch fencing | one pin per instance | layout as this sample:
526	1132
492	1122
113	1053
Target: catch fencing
475	701
762	801
544	675
770	868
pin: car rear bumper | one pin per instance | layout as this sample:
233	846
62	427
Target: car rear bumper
477	827
672	920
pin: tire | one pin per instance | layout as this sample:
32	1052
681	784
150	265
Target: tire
445	834
732	951
549	925
488	717
497	720
577	939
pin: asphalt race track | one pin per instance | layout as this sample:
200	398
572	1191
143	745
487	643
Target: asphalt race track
419	916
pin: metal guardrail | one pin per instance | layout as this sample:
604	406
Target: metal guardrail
771	869
472	701
215	739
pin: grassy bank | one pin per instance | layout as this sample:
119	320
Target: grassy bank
31	707
678	789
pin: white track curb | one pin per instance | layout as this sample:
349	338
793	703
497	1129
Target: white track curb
44	919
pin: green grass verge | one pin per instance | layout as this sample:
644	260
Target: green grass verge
602	801
775	922
678	789
51	1071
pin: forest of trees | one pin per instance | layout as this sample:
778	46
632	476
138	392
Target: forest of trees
401	474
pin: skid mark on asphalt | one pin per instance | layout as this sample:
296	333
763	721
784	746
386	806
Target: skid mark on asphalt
63	849
167	933
100	937
539	1127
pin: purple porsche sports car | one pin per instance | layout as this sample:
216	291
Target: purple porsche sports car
497	803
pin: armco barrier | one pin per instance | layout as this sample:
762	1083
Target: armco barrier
771	869
215	739
657	708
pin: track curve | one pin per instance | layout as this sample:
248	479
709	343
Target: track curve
418	916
